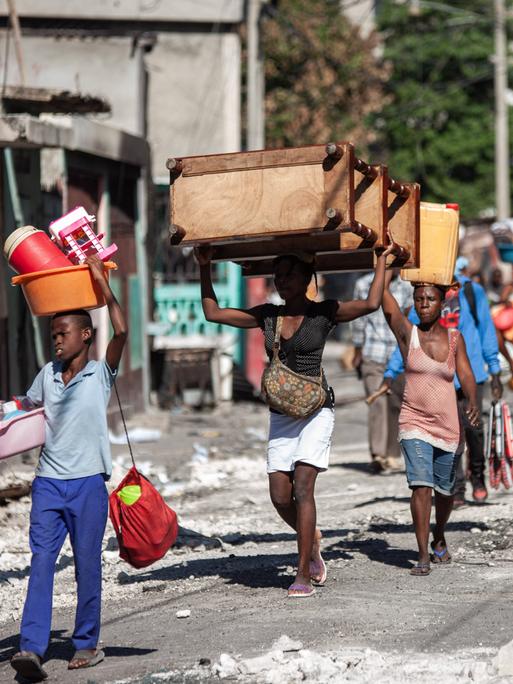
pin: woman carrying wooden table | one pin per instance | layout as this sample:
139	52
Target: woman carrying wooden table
294	335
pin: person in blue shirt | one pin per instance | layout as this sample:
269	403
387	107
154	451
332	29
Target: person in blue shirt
68	493
472	318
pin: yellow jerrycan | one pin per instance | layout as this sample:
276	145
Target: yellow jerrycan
439	234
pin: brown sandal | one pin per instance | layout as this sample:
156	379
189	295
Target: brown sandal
84	658
29	665
420	569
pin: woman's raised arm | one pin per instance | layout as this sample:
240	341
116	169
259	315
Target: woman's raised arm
348	311
238	318
397	321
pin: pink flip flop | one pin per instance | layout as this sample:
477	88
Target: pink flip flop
318	572
300	591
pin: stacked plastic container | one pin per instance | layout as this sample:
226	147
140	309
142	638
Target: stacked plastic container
51	271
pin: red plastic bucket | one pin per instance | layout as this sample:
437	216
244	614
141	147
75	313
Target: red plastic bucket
28	249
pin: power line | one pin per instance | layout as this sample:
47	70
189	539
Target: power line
445	7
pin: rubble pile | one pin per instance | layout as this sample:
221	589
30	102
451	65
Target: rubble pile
287	662
234	558
209	469
492	535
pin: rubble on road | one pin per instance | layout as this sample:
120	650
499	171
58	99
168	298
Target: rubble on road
234	559
352	665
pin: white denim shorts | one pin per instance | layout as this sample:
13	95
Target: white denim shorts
300	439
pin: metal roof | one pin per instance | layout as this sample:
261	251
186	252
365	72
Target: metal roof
24	100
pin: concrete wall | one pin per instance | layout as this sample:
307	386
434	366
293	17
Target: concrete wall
193	85
194	96
133	10
193	75
93	66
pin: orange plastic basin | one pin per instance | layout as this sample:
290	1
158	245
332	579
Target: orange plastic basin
61	289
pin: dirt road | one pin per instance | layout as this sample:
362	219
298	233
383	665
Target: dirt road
371	622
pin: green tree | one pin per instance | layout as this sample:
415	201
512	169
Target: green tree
437	125
322	78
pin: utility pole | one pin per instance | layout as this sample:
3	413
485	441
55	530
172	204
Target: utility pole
13	18
502	174
255	135
255	140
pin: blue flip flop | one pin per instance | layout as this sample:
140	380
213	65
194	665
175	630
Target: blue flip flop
438	556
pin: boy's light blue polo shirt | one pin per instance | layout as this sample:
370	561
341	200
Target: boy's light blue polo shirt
77	439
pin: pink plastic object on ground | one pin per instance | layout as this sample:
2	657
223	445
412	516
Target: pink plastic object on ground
22	433
75	234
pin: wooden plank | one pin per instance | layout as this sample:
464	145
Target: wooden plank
255	159
262	202
404	222
371	201
362	260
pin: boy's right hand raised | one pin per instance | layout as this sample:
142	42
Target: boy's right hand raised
96	267
203	254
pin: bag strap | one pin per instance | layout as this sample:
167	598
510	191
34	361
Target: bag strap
124	425
276	345
468	291
277	336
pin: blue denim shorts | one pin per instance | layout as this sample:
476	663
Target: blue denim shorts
429	466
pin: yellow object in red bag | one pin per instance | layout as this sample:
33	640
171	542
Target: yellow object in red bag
129	494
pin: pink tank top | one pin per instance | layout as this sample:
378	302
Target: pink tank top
429	410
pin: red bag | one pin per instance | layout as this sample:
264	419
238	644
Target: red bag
145	529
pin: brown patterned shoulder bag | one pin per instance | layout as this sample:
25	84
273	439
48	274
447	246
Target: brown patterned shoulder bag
288	392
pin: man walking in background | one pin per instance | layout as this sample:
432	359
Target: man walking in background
374	342
482	350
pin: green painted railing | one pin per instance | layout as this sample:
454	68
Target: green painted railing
178	308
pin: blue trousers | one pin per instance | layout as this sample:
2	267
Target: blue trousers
61	507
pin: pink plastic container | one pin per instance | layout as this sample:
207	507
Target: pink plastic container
74	233
22	433
28	249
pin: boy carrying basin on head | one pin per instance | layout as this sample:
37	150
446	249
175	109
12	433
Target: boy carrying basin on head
68	493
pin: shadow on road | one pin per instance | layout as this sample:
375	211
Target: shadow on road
378	550
252	571
273	537
6	575
61	648
382	499
390	527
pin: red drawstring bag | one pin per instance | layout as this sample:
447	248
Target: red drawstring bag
145	529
